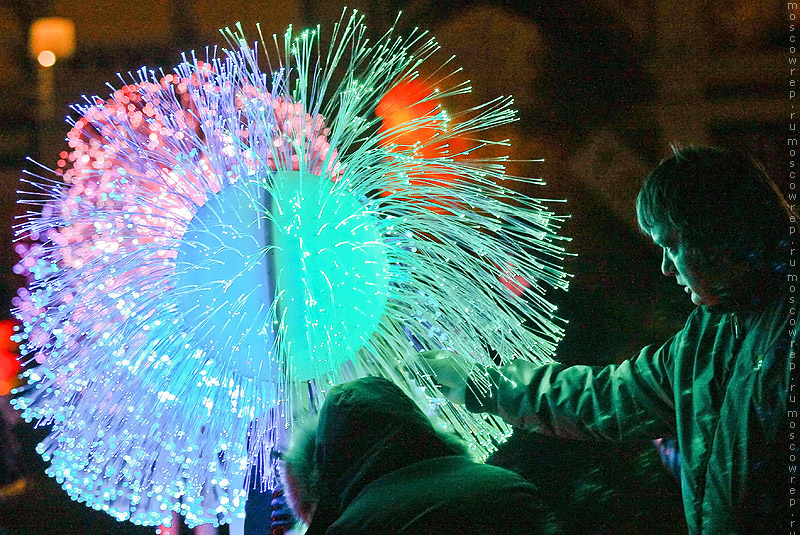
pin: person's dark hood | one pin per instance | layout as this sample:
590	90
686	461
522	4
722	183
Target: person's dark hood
367	428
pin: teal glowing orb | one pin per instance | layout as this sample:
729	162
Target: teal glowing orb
291	273
331	272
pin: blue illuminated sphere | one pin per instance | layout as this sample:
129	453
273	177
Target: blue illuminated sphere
291	272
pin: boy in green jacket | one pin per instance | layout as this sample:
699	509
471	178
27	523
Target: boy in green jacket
723	385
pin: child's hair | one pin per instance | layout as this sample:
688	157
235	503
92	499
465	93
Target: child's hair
719	202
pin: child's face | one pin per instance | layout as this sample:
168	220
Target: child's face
702	286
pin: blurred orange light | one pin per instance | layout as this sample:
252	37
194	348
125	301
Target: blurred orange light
9	368
53	34
46	58
414	101
7	329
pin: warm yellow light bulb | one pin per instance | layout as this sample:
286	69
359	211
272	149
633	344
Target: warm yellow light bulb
46	58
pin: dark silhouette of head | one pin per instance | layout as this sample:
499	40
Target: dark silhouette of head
724	208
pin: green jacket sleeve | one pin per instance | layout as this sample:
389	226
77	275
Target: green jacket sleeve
631	400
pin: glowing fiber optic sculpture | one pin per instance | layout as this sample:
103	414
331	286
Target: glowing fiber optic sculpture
223	244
